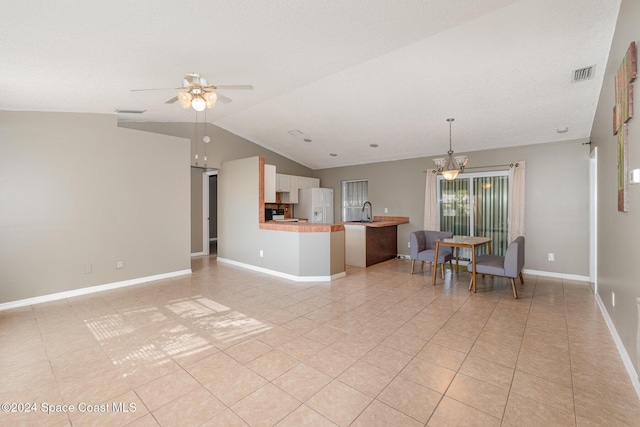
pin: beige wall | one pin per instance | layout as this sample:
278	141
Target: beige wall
618	232
76	190
223	146
557	206
196	210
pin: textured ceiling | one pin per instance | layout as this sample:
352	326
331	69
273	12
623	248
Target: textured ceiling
345	73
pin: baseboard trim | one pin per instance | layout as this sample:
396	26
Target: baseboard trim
281	274
195	254
556	275
633	375
90	290
541	273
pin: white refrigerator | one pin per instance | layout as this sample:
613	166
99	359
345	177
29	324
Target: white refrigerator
315	204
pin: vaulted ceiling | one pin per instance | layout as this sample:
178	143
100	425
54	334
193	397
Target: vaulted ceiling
346	74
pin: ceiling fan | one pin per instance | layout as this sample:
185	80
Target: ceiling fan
198	93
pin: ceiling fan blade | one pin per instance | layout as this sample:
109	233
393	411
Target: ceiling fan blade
172	100
223	99
157	88
241	87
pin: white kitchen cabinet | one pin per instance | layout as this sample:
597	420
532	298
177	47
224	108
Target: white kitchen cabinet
288	186
283	183
292	195
269	184
307	182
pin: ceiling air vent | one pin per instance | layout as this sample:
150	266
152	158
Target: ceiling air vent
582	74
130	111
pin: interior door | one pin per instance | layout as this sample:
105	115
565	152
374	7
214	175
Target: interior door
209	210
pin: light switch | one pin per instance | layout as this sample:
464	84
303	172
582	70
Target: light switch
634	176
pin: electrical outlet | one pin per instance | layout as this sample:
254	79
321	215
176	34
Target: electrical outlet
552	257
119	264
386	210
88	269
613	299
261	253
409	245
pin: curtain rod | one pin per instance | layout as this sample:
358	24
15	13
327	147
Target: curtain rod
511	165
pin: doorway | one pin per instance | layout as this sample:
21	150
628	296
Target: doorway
210	213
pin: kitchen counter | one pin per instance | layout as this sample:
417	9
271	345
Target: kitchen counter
369	243
301	227
382	221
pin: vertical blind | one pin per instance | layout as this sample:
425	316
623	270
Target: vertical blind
354	194
476	206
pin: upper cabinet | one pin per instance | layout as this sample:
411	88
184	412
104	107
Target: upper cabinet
291	196
283	183
306	182
288	186
269	184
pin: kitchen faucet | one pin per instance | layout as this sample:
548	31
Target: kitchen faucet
370	216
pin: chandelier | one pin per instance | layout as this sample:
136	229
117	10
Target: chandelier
451	166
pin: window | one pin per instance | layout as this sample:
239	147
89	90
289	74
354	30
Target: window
354	194
476	205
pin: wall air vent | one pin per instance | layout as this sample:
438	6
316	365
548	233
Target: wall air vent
130	111
582	74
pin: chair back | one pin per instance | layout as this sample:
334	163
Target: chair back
418	243
514	258
432	236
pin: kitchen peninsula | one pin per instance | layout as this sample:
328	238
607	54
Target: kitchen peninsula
368	243
294	250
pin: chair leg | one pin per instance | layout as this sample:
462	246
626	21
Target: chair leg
421	265
441	270
521	278
515	290
413	262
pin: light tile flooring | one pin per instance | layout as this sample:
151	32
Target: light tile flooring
379	347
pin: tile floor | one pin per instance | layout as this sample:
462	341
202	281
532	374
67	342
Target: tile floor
379	347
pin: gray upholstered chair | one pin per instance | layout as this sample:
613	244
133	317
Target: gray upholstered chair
423	248
510	265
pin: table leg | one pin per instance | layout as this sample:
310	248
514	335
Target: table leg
435	264
473	268
457	256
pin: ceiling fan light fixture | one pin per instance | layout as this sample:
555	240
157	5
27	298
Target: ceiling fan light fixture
198	103
210	99
185	99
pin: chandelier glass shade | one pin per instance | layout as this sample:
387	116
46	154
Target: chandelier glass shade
450	166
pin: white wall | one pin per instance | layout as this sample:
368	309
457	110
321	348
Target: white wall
76	191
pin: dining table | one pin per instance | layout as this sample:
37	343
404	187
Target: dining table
471	242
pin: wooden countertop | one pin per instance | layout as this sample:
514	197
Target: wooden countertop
301	227
308	227
382	221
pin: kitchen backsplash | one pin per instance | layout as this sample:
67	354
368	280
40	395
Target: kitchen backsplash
288	209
